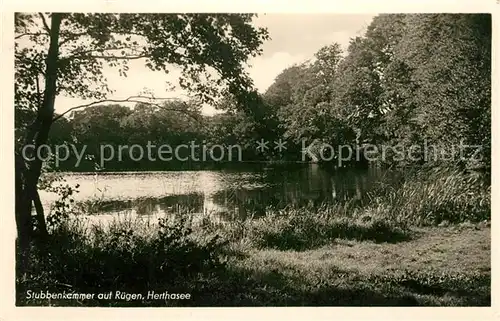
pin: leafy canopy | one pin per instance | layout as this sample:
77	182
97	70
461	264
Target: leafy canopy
211	50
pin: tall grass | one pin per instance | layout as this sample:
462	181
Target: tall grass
432	197
305	229
136	255
428	198
126	255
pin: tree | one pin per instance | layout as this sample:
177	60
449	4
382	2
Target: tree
409	80
310	114
450	59
394	76
420	77
359	90
304	97
62	53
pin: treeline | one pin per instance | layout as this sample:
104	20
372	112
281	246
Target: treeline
411	80
110	132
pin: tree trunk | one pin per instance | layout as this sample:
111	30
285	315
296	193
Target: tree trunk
23	219
42	226
27	176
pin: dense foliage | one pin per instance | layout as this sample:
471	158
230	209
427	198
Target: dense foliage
410	80
65	53
413	80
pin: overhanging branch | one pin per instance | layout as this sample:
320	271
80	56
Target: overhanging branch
121	57
31	34
46	26
131	99
104	53
69	36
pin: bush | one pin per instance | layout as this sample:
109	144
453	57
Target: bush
431	197
121	257
305	229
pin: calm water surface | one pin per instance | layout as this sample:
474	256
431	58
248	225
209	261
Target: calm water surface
229	194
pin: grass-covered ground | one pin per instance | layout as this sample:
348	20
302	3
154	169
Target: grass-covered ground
423	241
439	266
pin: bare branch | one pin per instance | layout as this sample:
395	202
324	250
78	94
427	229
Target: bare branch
131	99
38	95
121	57
46	26
137	53
31	34
71	36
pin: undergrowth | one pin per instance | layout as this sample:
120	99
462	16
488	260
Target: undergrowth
174	253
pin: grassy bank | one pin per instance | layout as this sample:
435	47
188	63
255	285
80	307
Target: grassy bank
422	241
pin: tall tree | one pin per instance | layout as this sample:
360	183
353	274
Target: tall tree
63	53
450	59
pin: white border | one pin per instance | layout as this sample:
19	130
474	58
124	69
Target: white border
8	311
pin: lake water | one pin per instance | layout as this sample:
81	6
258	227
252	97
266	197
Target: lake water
227	194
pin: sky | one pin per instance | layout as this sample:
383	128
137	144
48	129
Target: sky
294	39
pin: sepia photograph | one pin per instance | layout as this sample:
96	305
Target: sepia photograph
252	159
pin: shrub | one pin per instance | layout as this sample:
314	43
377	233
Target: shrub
305	229
121	257
433	196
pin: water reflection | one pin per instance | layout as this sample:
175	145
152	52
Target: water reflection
229	194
